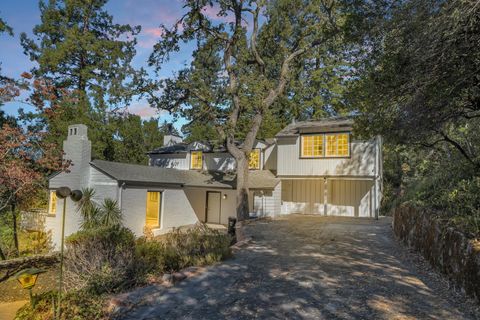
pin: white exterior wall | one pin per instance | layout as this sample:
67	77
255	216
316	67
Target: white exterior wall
360	163
179	161
266	203
176	209
219	161
270	158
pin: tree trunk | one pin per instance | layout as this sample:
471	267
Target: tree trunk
242	189
2	255
15	231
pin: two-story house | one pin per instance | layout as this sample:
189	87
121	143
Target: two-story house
312	167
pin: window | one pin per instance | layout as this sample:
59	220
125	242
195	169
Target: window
254	159
154	201
196	160
312	146
337	145
52	209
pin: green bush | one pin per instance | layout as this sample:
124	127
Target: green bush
100	260
179	249
77	305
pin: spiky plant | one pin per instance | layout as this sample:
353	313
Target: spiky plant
110	212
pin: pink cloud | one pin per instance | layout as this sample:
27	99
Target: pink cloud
143	110
212	13
155	32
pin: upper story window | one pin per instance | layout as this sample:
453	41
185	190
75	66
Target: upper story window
52	208
254	159
196	158
337	145
325	145
312	146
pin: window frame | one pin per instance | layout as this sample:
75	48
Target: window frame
160	206
259	159
191	159
324	146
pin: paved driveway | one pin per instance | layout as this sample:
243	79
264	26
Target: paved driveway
305	267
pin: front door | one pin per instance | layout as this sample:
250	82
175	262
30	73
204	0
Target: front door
213	207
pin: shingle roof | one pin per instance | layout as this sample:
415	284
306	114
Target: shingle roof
317	126
140	174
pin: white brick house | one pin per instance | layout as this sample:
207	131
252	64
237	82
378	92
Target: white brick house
313	167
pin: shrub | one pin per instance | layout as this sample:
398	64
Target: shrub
100	260
197	246
75	306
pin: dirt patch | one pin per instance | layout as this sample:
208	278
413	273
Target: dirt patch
12	291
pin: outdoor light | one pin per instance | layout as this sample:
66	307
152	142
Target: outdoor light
75	195
27	279
224	196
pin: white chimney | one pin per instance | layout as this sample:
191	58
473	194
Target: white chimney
78	149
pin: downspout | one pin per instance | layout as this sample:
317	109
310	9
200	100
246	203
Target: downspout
120	193
375	179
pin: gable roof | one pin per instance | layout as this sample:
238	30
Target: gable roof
317	126
144	175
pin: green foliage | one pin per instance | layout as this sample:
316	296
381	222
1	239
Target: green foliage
76	305
179	249
418	87
106	215
100	260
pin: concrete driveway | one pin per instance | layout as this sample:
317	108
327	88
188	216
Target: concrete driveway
307	267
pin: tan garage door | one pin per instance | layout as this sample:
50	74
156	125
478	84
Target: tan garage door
344	197
303	196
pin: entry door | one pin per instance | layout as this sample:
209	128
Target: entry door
213	207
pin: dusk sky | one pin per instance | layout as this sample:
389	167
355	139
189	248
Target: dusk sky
23	15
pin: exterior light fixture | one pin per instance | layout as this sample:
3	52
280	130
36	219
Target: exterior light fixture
75	195
27	279
224	196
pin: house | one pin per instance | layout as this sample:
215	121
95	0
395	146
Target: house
311	167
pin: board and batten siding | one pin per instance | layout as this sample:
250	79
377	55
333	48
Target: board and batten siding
345	197
360	163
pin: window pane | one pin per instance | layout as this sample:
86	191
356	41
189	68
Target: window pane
331	140
343	149
312	146
153	209
254	159
196	160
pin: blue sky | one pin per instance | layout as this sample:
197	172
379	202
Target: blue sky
23	15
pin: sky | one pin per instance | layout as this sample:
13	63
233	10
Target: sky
23	15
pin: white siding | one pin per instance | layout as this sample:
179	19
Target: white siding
270	154
266	203
177	161
176	209
360	163
219	161
104	186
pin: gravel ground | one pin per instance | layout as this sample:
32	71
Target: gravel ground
307	267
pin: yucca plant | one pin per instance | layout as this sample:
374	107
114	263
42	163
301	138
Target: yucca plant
88	209
110	213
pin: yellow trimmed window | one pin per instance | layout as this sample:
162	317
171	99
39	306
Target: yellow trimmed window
196	160
254	159
337	145
52	208
312	145
153	209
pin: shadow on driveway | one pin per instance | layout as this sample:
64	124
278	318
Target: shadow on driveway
307	267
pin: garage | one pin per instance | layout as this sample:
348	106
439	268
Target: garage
327	196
